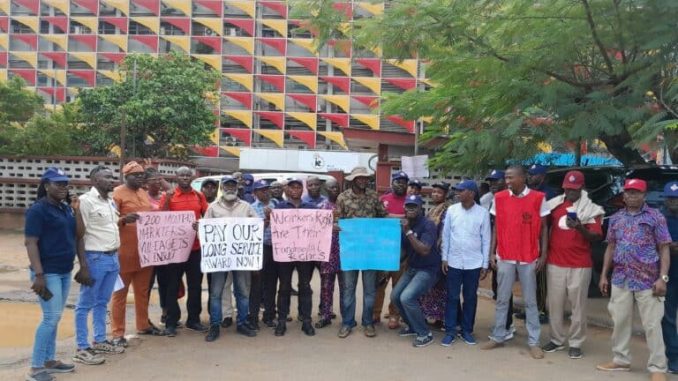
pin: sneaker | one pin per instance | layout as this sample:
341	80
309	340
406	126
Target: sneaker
536	352
491	345
212	333
510	333
59	367
120	342
468	338
107	347
447	340
404	332
252	324
575	353
170	332
551	347
613	366
423	341
40	375
344	331
244	330
227	322
322	323
269	323
370	331
197	327
88	357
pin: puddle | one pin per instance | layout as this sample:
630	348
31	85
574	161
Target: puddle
19	321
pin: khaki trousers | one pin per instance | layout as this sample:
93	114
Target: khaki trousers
651	310
140	281
568	283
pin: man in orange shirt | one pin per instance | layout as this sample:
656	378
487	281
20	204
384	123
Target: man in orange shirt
184	198
130	198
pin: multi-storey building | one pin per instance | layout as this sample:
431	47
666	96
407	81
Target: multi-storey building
277	89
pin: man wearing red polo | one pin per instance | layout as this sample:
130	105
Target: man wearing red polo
575	223
181	199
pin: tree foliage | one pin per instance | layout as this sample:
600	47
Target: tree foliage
164	104
510	76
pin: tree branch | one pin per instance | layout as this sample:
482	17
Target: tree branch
596	39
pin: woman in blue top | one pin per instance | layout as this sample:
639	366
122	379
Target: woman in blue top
51	240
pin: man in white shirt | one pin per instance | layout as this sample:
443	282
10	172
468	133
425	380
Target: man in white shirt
466	242
101	242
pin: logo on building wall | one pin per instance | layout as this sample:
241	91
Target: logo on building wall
318	161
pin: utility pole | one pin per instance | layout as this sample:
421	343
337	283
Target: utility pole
123	125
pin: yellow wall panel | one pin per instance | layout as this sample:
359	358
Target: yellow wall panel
246	80
152	23
32	22
277	137
30	57
409	66
90	58
279	26
342	101
112	74
336	137
368	119
245	6
61	5
375	9
309	81
181	41
122	5
246	43
90	22
343	64
277	99
243	116
279	63
212	60
371	83
118	39
305	43
182	5
235	151
214	23
309	118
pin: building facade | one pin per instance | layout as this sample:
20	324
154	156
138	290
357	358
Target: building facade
277	88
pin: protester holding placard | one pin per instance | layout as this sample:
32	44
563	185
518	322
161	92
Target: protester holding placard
184	198
99	217
264	282
295	189
330	269
229	205
130	198
419	239
314	189
359	201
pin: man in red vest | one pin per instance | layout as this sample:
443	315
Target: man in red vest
519	245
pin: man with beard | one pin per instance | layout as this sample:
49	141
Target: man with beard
277	192
519	246
229	205
130	199
295	188
419	238
359	202
394	203
184	198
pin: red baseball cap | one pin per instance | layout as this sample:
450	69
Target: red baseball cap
635	184
573	180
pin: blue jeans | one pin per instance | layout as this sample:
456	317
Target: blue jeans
458	280
44	347
348	297
241	290
405	295
669	329
103	269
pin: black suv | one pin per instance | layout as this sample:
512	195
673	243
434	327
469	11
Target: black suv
605	186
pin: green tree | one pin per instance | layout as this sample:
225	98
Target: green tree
509	76
17	106
164	104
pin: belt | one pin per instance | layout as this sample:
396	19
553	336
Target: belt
112	252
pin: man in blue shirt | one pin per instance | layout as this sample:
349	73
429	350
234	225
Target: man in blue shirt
466	239
264	282
671	302
313	189
419	241
304	270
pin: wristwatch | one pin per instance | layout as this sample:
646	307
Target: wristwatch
665	278
408	233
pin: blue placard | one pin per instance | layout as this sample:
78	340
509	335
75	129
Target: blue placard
370	244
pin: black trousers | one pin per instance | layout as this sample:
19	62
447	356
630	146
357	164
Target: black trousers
170	275
509	316
305	272
264	286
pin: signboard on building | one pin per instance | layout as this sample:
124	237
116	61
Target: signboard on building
302	161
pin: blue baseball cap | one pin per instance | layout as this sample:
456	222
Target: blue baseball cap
537	169
467	185
415	183
261	184
54	175
248	179
229	179
292	180
671	189
400	175
414	200
496	174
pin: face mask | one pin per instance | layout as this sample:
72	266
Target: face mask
230	196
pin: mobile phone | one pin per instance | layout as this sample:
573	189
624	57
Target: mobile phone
572	215
46	295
